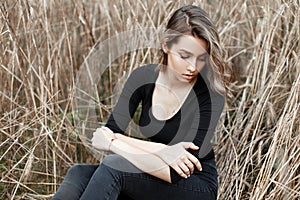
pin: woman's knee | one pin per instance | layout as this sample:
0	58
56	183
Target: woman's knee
112	159
75	182
71	187
75	170
119	163
80	175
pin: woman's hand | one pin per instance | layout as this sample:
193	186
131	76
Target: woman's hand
102	138
180	159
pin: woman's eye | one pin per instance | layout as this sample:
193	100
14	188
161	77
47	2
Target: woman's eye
184	56
202	59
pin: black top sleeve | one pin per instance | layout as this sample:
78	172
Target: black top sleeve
127	103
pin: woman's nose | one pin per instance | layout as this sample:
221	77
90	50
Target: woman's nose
191	67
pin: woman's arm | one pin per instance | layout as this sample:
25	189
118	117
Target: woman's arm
147	146
156	162
169	154
154	154
104	139
147	162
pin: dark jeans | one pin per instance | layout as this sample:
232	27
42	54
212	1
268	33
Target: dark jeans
117	178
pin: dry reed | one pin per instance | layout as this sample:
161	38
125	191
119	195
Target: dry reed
43	43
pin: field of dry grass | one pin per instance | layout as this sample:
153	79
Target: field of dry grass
43	44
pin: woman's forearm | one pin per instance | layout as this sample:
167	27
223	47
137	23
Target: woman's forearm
145	161
147	146
174	156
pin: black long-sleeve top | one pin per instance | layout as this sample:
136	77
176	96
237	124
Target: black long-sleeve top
194	122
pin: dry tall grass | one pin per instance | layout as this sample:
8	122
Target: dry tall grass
43	43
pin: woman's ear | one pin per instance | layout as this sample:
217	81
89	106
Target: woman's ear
164	47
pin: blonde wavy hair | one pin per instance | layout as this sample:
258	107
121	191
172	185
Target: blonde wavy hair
192	20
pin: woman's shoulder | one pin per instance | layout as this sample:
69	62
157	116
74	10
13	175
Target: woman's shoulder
145	69
144	73
141	76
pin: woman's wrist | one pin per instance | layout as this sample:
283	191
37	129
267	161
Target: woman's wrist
110	143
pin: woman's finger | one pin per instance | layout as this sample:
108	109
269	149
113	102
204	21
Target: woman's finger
107	129
190	145
184	168
194	160
178	170
189	164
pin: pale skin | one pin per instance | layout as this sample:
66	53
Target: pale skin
185	60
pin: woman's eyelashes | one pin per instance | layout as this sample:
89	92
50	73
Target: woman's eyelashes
200	59
183	56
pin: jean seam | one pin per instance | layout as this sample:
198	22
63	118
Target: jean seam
116	180
112	189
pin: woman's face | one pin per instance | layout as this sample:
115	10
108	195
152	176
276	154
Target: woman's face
187	57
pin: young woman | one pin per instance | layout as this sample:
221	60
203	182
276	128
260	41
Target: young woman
182	99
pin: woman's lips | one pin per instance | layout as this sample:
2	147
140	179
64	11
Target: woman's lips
188	76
